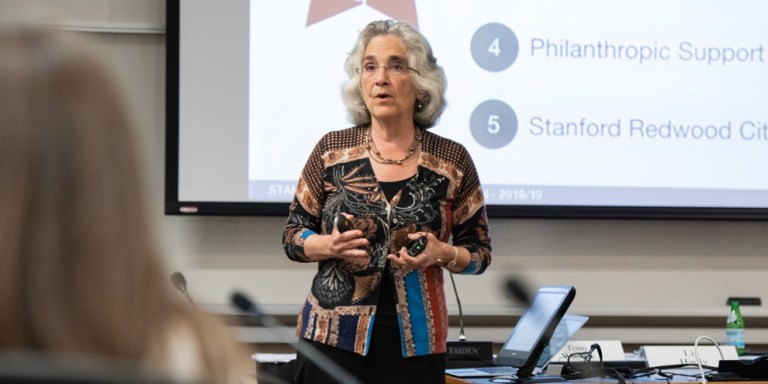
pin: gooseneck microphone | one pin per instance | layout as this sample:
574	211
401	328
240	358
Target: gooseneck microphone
515	289
336	372
180	283
463	353
461	313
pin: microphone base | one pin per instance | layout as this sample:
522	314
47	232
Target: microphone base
468	354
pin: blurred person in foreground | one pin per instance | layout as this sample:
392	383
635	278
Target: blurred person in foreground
379	312
81	276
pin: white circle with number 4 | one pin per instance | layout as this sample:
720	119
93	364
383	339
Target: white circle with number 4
494	47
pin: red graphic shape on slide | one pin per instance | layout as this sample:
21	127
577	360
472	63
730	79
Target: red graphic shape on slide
402	10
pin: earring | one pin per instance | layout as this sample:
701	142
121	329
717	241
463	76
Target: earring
419	106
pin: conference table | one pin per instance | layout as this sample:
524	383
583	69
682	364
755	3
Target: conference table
660	374
455	380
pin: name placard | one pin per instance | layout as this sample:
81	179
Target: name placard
612	350
685	354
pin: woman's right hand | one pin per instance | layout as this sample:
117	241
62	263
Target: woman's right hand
349	245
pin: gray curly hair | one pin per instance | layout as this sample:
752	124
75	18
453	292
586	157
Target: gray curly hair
430	82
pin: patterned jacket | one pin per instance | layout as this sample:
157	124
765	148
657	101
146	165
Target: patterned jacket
445	198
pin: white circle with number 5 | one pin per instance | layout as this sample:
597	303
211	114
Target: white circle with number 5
493	124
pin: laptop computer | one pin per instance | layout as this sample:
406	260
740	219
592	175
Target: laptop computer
565	330
531	344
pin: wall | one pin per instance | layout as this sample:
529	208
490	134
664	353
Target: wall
621	268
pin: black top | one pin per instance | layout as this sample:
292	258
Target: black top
386	315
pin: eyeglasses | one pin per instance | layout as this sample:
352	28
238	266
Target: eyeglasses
398	69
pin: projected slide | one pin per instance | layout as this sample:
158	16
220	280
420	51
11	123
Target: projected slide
561	102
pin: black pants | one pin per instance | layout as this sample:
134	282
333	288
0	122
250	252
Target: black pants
384	364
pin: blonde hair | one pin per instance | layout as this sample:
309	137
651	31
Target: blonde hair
80	270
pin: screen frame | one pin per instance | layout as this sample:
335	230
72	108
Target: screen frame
174	206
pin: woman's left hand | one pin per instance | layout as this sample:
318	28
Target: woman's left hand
435	250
